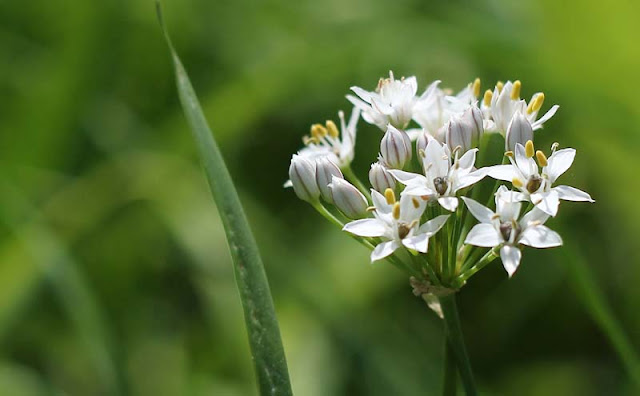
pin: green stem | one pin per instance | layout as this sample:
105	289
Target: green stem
483	262
456	340
449	377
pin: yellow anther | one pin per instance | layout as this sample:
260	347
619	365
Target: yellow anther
396	210
508	154
390	196
371	209
488	95
539	100
499	86
530	106
542	159
318	131
333	130
416	203
529	150
515	91
476	87
517	183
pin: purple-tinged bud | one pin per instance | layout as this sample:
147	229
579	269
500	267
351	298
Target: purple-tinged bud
302	174
458	135
348	199
518	131
395	148
380	178
325	170
473	116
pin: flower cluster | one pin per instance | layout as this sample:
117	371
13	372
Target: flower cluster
426	164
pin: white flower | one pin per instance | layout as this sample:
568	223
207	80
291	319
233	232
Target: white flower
326	141
444	175
391	103
503	229
535	185
398	223
436	107
505	102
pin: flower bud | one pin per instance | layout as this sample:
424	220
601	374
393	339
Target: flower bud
380	178
458	135
302	173
325	170
473	116
518	131
395	148
421	143
348	199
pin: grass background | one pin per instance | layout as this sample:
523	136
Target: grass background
114	270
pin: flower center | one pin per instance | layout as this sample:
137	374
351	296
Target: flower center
508	229
441	184
534	184
403	230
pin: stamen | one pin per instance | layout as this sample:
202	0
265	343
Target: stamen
542	159
534	184
390	196
517	183
554	147
318	131
476	87
396	210
499	86
529	150
416	203
537	103
332	129
422	153
508	154
488	95
515	91
371	209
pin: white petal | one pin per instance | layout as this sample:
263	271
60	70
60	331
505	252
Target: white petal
383	250
471	178
434	225
414	133
380	202
407	177
479	211
366	227
538	124
502	172
468	159
419	242
507	209
572	194
484	235
559	162
510	256
287	184
449	203
547	202
535	215
436	155
364	95
526	165
540	237
418	190
411	208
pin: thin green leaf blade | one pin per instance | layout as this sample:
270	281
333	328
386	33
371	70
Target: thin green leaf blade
260	318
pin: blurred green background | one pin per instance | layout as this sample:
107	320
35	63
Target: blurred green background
114	271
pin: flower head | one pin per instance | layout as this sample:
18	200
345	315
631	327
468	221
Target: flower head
506	230
443	176
398	223
391	103
535	180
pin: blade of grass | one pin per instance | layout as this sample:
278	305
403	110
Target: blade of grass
262	326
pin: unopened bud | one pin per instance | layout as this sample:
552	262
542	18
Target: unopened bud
473	115
421	144
395	148
380	178
348	199
518	131
325	170
302	174
458	134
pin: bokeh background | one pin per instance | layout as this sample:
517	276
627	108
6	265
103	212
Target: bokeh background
114	272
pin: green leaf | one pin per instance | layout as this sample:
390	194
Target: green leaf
259	313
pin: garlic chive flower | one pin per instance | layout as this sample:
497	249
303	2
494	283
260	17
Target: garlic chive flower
444	175
397	223
395	148
505	230
327	141
504	102
391	103
347	198
302	177
535	180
